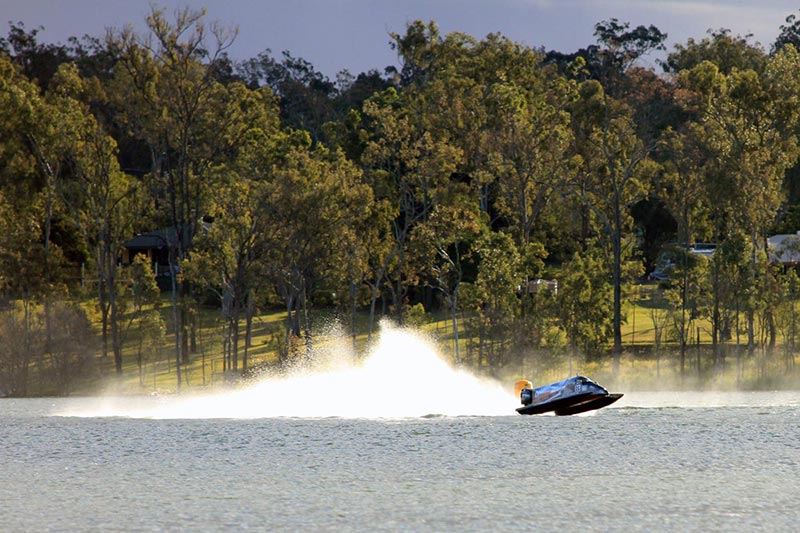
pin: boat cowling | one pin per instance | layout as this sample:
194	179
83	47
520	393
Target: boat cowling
521	385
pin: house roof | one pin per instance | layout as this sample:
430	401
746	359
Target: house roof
154	239
160	238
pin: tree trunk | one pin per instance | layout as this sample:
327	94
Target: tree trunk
248	337
453	307
617	279
353	295
372	303
235	337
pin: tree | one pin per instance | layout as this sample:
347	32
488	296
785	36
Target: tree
682	187
314	199
229	255
167	96
787	317
306	96
411	168
752	149
687	298
36	61
22	277
582	305
40	137
659	316
231	250
141	302
622	47
528	146
609	61
610	180
441	245
493	297
100	198
789	34
724	50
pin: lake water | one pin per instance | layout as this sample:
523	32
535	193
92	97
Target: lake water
271	459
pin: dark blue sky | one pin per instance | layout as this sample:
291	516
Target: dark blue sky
354	34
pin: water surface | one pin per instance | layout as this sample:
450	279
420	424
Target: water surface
399	443
626	468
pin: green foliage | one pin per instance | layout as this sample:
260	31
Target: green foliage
725	51
453	185
584	305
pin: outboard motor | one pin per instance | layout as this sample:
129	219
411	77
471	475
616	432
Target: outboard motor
526	396
524	390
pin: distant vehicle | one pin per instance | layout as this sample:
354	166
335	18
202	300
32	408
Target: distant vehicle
703	248
568	397
671	253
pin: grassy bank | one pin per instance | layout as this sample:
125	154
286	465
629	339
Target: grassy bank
642	366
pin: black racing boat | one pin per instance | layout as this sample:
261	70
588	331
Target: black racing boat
568	397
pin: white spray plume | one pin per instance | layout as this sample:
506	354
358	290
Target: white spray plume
402	377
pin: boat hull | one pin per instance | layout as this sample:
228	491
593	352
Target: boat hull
591	405
569	397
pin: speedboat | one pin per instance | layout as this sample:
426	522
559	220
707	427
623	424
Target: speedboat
568	397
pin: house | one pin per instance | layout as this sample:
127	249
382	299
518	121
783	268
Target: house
155	245
784	248
540	285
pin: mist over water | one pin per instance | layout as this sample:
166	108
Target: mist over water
403	376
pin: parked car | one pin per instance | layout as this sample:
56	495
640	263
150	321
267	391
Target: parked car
671	253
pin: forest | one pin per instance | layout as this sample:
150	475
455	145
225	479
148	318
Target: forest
534	204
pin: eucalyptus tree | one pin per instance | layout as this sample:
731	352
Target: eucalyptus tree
687	297
582	306
782	84
316	199
306	97
166	95
36	148
682	187
410	167
732	288
22	279
37	61
726	51
610	179
528	147
787	317
745	130
140	302
769	296
227	257
100	199
442	249
492	299
229	254
376	248
620	48
789	33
